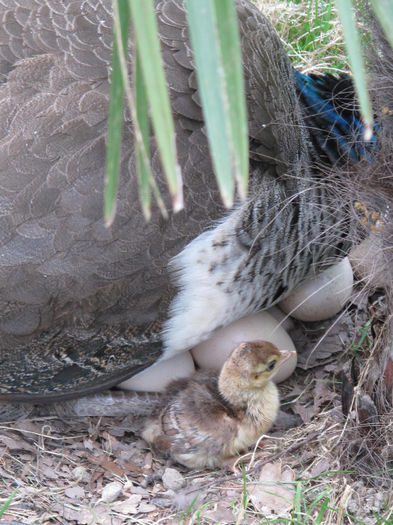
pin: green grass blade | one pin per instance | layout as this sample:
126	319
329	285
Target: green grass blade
8	502
115	119
244	496
146	180
201	16
323	495
142	116
354	519
322	511
352	42
384	11
228	36
297	507
146	35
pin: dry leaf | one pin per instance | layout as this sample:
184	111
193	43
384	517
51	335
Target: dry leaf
321	394
319	341
148	461
111	467
89	444
220	515
146	507
306	413
273	494
112	444
108	465
13	442
128	464
82	516
322	466
75	492
138	490
28	427
323	391
49	473
129	506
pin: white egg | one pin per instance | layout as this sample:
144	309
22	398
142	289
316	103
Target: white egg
213	352
320	297
158	376
285	320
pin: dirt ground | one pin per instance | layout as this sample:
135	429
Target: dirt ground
97	471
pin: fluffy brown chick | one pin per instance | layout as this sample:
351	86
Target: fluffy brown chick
210	417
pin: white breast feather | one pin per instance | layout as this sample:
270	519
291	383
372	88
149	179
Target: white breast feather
207	298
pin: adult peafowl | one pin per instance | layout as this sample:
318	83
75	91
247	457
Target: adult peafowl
82	306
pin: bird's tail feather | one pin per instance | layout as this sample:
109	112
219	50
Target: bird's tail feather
109	403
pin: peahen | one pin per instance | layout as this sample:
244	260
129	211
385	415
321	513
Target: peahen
82	306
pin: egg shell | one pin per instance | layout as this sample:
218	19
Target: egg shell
158	376
213	352
285	320
323	296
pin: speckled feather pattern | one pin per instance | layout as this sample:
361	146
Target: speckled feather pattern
63	274
199	429
211	417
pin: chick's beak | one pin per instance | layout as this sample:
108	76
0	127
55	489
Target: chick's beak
286	354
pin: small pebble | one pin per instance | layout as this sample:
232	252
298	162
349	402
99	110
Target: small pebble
111	491
162	502
169	493
172	479
81	473
151	478
197	481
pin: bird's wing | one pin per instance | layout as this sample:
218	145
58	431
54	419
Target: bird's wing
274	115
62	272
196	422
60	265
67	283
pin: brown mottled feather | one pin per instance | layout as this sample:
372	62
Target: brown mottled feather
210	417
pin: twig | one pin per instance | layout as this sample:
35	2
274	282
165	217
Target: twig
342	504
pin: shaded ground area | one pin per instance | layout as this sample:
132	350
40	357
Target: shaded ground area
95	470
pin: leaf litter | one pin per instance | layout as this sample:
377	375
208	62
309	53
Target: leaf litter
96	470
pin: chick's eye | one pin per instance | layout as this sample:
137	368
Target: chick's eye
271	365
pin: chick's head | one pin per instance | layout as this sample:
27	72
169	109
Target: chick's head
252	365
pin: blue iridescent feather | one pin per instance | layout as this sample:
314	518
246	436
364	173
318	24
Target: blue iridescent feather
332	117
